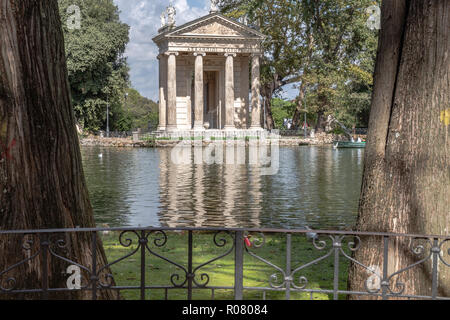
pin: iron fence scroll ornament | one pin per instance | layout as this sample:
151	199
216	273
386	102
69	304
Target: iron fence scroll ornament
337	245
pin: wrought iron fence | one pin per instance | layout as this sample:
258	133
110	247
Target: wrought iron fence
146	245
294	133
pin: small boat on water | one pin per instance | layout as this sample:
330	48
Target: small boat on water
349	144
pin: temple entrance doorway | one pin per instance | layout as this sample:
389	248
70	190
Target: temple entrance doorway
213	112
212	105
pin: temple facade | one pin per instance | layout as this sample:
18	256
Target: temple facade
209	74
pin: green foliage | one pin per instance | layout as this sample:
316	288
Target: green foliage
98	72
354	108
323	46
340	72
279	21
143	112
124	122
338	130
281	110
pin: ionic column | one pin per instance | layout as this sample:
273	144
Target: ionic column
171	91
245	84
162	92
229	91
199	94
256	90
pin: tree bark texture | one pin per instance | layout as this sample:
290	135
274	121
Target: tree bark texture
41	176
406	183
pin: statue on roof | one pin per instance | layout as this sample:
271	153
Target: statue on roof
244	20
214	6
171	12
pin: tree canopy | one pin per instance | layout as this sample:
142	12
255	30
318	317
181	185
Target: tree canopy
141	112
97	69
324	47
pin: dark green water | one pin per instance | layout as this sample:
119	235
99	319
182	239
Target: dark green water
314	186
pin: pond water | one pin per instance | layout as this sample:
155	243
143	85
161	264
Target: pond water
314	186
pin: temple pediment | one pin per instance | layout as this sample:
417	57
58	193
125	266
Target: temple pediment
213	26
214	29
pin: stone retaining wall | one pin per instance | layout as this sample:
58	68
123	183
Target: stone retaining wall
319	139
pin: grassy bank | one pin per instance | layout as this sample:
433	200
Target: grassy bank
221	272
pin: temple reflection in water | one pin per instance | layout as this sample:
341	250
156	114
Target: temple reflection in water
212	186
314	186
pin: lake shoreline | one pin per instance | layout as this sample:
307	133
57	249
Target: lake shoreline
319	140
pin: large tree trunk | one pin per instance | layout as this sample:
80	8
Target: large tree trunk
296	119
406	176
323	106
41	177
270	123
321	121
267	92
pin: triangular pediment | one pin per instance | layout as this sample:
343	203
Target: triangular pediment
215	26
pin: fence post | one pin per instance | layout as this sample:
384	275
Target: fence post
135	136
384	282
288	266
94	265
44	246
434	286
238	265
337	247
142	243
190	275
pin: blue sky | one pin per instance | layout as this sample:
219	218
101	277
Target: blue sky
143	16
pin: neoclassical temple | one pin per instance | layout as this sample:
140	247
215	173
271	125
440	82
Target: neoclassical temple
204	73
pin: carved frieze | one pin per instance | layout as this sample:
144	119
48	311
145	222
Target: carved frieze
215	29
214	47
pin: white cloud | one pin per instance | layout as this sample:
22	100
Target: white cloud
143	16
